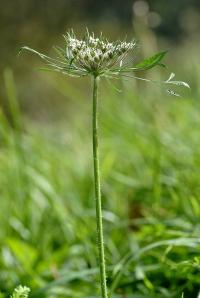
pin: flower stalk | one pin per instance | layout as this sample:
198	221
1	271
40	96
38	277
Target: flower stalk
97	186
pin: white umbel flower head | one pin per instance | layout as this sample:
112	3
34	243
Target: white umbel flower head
99	57
95	55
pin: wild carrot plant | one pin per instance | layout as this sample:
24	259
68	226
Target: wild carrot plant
100	58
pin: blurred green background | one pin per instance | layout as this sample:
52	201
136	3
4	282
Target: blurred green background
149	145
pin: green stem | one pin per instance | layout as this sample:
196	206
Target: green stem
99	221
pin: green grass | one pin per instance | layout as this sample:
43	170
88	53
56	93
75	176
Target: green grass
150	182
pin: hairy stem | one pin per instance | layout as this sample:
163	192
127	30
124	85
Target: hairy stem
97	185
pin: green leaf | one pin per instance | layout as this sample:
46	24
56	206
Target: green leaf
151	61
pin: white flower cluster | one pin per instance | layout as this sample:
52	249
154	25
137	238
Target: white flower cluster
95	53
21	292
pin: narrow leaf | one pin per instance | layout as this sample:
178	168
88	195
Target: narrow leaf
179	83
46	58
151	61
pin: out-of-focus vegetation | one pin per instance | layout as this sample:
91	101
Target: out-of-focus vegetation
149	159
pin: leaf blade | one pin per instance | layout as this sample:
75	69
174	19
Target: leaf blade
151	62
